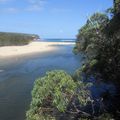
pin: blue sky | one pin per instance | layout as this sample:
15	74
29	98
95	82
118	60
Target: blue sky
48	18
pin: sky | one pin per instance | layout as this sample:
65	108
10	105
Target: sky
48	18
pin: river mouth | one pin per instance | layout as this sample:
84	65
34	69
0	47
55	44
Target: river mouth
17	76
18	73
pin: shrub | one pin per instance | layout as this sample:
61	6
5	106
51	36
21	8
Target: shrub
53	95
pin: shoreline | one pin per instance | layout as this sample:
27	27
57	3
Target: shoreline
31	48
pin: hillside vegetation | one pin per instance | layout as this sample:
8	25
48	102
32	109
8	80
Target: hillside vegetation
99	39
10	39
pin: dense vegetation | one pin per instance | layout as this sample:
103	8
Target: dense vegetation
55	96
59	96
99	38
10	39
116	6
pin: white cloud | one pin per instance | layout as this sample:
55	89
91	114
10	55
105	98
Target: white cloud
12	10
9	10
55	10
4	1
31	6
36	2
61	31
35	5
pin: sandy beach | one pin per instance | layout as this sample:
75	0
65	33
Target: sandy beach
33	47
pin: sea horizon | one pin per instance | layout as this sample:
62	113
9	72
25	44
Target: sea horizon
58	39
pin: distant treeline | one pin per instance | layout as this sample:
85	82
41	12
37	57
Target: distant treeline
10	39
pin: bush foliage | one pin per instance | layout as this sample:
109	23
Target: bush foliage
53	95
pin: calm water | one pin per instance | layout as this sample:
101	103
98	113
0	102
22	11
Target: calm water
58	40
17	76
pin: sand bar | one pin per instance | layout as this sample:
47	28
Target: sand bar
33	47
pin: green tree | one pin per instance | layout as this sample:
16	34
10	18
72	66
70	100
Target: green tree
101	47
54	95
90	34
116	6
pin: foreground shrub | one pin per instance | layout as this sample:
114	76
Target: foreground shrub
54	95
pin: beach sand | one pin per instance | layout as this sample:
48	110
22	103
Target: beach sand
33	47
